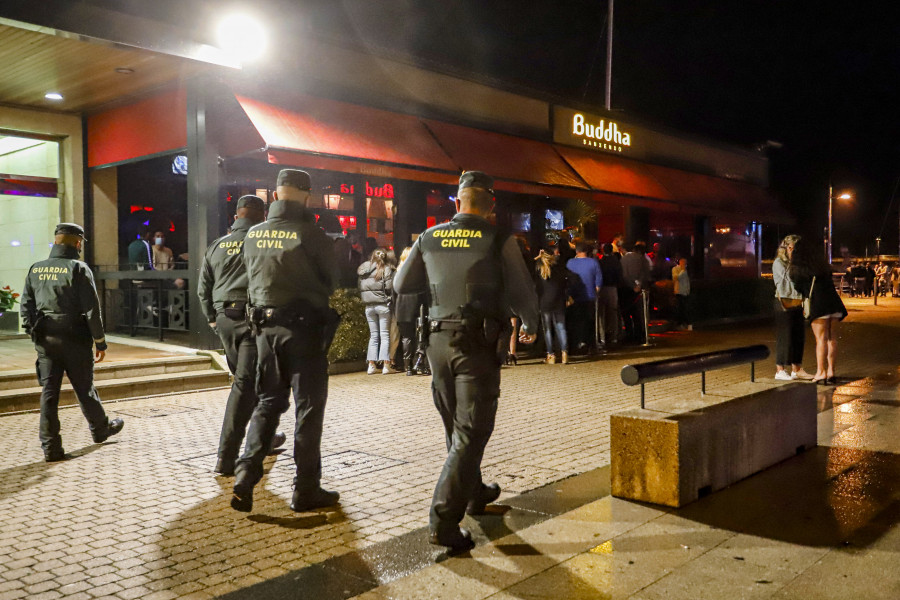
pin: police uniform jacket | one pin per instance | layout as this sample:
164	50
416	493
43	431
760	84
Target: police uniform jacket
62	289
466	261
223	276
289	259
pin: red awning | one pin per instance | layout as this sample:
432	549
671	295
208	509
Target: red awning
614	175
716	196
517	164
145	128
330	131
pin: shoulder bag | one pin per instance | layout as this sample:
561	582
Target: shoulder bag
806	301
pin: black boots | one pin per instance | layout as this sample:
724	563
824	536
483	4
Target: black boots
484	496
303	501
112	428
457	540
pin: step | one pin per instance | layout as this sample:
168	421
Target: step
121	389
25	378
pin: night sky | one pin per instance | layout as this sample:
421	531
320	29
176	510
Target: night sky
819	77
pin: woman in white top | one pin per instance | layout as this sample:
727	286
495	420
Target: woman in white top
790	333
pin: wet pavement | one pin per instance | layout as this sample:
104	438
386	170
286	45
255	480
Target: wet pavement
144	517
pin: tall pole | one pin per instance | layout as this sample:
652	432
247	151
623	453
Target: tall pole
828	254
609	48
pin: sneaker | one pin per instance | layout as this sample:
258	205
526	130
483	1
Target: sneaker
371	369
320	498
783	376
386	370
801	375
551	359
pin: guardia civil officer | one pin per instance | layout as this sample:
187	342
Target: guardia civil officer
222	289
61	312
290	264
476	279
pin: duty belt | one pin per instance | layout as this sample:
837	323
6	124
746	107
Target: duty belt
436	325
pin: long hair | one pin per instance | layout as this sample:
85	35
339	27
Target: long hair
807	260
789	240
404	255
545	263
379	258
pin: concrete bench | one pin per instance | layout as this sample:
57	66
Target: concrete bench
678	450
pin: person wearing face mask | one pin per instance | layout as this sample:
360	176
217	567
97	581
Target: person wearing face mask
163	260
61	312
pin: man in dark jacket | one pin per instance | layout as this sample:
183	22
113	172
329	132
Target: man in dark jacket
476	279
222	289
608	296
290	267
61	312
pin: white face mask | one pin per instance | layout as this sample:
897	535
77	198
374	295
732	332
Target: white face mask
159	241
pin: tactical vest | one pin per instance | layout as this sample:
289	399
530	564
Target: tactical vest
280	259
462	260
227	264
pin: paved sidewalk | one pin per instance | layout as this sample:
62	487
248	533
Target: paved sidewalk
144	517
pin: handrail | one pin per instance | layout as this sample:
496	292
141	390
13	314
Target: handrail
695	363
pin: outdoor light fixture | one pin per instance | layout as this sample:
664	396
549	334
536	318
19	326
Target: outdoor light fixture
845	196
53	96
241	37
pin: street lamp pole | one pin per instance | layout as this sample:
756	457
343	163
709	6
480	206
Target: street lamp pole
828	255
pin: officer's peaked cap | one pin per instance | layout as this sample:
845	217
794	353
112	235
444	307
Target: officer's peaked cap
70	229
251	201
294	178
476	179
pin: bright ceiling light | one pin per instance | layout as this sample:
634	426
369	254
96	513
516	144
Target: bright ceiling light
241	37
53	96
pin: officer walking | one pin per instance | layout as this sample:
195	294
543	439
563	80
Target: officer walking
61	312
476	279
290	264
222	289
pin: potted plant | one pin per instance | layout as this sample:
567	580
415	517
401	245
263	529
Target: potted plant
9	319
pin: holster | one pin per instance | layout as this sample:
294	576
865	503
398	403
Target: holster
235	310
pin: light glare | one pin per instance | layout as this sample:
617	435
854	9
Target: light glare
241	37
53	96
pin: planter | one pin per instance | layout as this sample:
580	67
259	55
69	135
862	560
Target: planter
9	320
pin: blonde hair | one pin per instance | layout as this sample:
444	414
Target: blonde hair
789	240
404	255
546	261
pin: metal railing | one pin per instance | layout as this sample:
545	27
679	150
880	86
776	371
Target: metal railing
695	363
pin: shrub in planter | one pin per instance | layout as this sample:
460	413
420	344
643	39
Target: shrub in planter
352	338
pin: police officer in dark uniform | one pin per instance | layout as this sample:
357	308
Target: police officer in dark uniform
222	289
61	312
476	279
291	265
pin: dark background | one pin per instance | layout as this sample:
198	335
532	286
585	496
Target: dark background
820	77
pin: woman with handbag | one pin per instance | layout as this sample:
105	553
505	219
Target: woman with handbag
376	279
822	306
790	334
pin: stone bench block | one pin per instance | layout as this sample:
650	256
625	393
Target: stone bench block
677	450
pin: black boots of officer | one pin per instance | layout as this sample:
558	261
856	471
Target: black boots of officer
302	500
113	427
456	538
225	466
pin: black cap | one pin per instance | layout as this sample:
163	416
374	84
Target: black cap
476	179
251	201
294	178
70	229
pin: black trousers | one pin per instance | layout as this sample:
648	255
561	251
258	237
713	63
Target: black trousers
407	344
631	305
582	323
72	356
465	385
790	336
240	353
290	360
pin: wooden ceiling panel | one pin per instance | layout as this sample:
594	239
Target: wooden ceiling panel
33	63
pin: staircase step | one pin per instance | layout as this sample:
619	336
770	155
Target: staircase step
121	389
25	378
